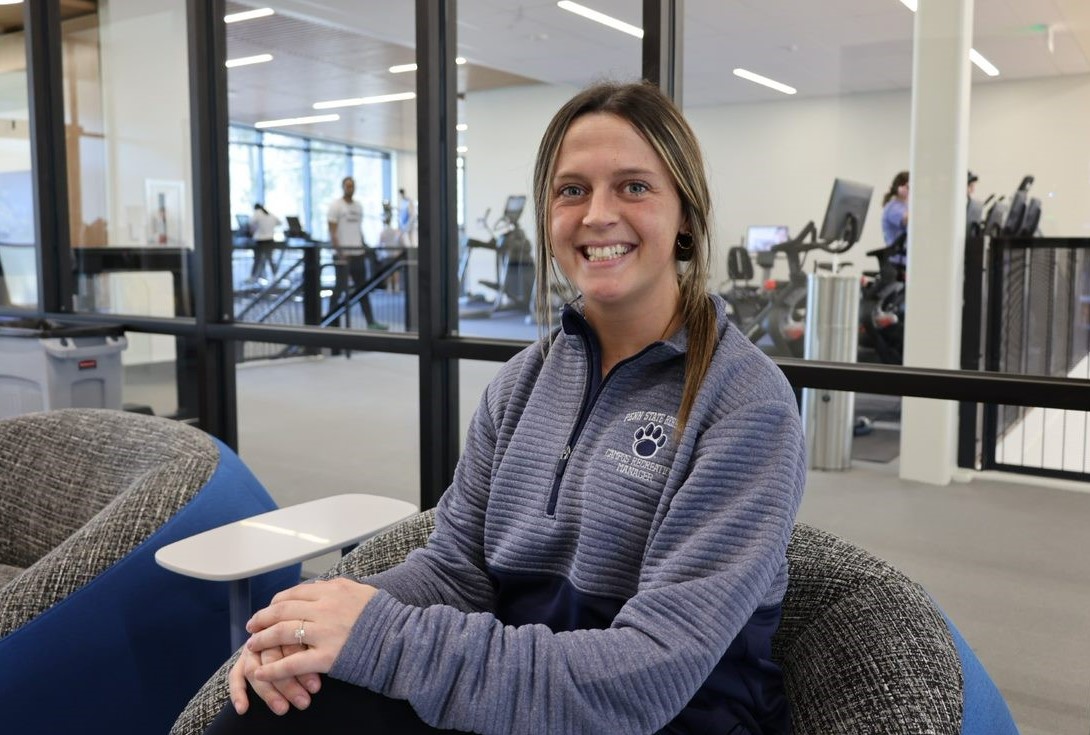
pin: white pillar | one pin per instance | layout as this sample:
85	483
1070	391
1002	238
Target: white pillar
936	229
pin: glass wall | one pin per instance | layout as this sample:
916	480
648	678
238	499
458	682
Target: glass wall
18	254
313	101
521	65
787	99
126	102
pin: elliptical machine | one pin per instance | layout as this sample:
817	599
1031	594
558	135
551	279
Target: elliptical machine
514	255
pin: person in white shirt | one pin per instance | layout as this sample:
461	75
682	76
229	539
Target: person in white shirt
352	259
263	227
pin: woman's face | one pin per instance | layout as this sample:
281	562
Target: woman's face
614	218
902	192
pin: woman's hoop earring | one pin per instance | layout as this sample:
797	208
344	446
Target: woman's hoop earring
683	246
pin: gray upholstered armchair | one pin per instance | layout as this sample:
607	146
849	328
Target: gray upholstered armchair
864	649
94	635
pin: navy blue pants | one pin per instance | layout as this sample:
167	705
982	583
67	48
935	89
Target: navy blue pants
336	708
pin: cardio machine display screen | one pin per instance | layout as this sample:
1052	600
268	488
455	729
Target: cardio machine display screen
761	238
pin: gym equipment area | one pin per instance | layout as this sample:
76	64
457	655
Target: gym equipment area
512	287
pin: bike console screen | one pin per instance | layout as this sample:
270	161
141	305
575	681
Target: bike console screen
761	238
513	209
846	213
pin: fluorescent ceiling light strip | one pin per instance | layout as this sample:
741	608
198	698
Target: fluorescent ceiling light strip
983	64
10	2
402	68
356	101
248	15
296	121
247	60
606	20
764	81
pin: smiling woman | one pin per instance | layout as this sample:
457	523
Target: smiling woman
673	456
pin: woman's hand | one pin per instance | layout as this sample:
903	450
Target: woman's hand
277	695
309	624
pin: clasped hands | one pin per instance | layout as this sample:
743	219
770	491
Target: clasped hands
281	671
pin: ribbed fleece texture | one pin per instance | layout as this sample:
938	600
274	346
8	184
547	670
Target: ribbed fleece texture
693	538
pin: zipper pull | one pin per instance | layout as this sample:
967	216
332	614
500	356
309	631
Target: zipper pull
563	460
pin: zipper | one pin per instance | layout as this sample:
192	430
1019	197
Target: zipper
584	414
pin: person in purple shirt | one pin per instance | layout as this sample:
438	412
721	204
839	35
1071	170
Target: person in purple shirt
611	554
895	213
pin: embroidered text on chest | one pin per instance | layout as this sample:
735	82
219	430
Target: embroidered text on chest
650	435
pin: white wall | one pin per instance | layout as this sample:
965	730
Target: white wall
145	88
774	163
1036	127
145	108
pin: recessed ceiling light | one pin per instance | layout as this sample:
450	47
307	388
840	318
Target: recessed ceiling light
597	17
461	127
462	149
355	101
764	81
248	15
296	121
247	60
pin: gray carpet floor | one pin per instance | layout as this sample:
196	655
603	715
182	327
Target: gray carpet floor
1008	561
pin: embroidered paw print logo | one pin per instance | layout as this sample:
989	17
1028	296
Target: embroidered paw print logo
648	440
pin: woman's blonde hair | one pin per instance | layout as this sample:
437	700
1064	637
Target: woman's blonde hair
660	122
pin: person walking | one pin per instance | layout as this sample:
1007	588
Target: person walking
353	261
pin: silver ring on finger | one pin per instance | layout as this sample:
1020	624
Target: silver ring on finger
301	634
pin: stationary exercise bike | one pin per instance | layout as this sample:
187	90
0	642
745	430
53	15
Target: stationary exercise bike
513	287
778	310
882	307
744	298
782	316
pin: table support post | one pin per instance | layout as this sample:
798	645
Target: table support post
239	606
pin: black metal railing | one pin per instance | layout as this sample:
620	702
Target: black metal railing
1029	297
301	289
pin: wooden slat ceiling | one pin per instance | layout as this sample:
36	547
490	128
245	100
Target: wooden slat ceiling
11	16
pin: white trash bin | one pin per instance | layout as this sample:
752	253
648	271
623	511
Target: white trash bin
45	365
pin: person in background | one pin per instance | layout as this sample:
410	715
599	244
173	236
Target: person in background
971	186
611	554
390	241
263	228
895	216
406	217
895	209
353	261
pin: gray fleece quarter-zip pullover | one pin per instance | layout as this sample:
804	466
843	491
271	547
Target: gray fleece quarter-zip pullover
591	571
